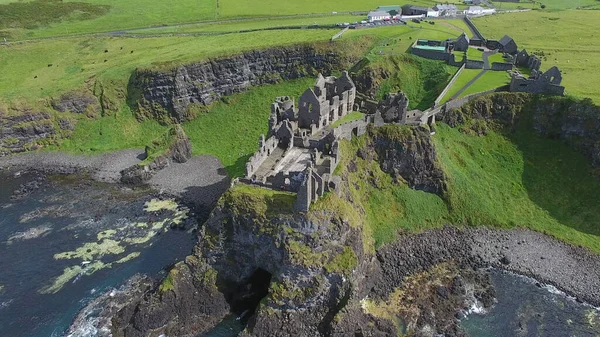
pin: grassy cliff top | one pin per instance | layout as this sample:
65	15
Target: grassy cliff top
503	179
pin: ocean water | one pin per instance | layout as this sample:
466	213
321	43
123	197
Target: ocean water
529	310
72	240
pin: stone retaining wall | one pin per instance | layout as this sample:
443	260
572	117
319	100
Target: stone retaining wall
474	64
437	101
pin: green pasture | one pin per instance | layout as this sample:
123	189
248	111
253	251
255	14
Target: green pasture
252	24
550	4
48	18
568	39
247	117
121	15
65	64
396	40
474	54
501	180
489	80
463	78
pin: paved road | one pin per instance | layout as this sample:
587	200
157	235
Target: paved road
486	61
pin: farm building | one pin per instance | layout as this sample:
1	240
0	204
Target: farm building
414	10
478	10
432	13
473	2
392	9
378	16
462	43
508	45
431	49
446	10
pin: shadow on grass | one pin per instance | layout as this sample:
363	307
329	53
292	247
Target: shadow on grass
238	169
560	181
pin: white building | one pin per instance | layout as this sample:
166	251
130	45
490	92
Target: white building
446	10
378	16
478	10
432	13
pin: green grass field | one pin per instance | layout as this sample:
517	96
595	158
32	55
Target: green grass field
489	80
396	40
516	180
420	79
48	18
550	4
119	131
496	58
567	39
121	15
463	78
66	64
474	54
252	24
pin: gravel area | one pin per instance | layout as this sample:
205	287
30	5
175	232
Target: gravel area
201	181
103	167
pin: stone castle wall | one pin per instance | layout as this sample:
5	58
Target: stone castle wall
430	54
474	64
499	66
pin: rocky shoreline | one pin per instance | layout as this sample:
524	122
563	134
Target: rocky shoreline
521	251
199	182
573	270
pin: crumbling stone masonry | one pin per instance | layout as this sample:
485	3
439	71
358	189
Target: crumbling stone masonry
301	151
547	83
523	59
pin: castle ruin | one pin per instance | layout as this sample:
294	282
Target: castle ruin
301	149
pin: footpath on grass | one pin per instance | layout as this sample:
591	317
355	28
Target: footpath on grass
458	93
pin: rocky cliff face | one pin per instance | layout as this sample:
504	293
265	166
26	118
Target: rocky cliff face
26	128
577	122
311	274
407	154
167	95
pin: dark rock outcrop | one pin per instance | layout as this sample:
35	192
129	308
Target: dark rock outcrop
26	128
187	300
179	151
310	264
77	102
167	95
407	153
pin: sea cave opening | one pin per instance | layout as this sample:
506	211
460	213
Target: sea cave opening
248	294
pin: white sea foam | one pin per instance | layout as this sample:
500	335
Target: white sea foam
6	304
476	308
